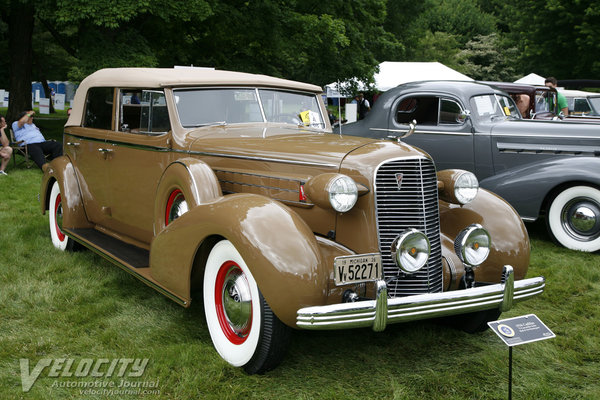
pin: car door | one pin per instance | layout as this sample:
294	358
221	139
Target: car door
442	130
138	154
85	146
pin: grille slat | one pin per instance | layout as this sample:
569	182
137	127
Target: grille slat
413	205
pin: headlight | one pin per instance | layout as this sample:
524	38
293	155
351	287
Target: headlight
343	193
457	186
472	245
466	187
410	251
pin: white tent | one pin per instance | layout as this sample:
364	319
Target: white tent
392	74
532	79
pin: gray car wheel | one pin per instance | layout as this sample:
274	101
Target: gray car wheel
573	218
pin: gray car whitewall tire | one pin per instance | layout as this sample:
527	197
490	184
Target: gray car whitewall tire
573	218
249	337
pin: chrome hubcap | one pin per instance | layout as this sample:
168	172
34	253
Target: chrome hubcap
581	219
237	302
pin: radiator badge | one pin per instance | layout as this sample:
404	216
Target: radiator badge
399	180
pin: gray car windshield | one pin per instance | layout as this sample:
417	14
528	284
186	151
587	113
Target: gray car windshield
223	106
494	107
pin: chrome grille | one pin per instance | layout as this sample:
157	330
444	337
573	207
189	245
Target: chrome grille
412	203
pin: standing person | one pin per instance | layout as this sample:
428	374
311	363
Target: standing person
363	106
5	149
37	146
563	106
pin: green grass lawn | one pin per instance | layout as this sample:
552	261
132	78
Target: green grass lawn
79	306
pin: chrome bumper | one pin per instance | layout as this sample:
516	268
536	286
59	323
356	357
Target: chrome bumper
381	311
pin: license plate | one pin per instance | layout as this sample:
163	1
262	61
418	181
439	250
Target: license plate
358	268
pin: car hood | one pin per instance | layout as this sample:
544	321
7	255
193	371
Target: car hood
548	130
284	144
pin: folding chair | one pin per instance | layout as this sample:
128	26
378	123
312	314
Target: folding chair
21	149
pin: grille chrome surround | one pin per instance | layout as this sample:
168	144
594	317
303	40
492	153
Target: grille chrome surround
414	205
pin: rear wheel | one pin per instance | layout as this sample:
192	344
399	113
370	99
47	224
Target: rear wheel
244	330
55	215
573	218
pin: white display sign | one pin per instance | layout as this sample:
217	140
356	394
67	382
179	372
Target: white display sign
351	111
59	101
3	93
44	106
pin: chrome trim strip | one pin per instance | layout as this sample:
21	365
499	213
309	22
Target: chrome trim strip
547	148
412	308
265	159
539	135
424	131
201	153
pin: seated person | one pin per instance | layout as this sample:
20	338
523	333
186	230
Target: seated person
37	146
5	149
522	101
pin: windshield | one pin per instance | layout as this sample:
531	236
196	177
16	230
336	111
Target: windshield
494	107
203	107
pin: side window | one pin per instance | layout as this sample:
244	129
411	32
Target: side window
450	112
581	106
143	111
423	109
99	108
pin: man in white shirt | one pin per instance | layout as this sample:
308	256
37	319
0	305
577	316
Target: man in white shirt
37	146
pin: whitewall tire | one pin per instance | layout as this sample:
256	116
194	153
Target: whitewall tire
55	215
573	218
243	329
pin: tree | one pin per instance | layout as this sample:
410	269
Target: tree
484	58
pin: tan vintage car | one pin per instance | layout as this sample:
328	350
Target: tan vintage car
231	186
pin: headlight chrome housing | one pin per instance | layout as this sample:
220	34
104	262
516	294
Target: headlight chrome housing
472	245
410	251
466	187
343	193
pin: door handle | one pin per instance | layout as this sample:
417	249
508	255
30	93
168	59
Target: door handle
75	144
105	150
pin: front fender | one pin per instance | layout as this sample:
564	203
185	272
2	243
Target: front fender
510	241
61	170
525	187
277	245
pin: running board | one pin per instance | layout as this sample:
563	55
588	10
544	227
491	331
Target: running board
129	258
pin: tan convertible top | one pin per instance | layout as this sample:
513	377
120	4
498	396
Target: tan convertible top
174	77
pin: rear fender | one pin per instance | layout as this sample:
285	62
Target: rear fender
61	170
276	244
527	186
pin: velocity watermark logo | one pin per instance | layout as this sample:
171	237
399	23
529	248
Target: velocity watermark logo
89	374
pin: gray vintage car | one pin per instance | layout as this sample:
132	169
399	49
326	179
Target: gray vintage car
542	168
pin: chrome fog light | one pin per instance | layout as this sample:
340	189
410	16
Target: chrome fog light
472	245
466	187
410	251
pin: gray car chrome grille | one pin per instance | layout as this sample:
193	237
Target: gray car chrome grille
412	203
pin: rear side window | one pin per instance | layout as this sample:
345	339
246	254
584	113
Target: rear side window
99	108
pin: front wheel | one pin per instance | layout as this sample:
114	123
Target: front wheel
573	218
244	330
55	216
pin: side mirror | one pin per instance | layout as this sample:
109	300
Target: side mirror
464	116
412	126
